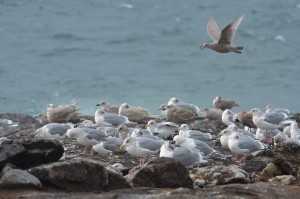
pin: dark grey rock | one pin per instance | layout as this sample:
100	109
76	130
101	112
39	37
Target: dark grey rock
18	179
161	173
80	174
218	175
9	150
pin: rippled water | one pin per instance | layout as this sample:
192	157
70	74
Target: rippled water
145	52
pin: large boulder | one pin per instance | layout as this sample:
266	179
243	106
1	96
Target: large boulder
18	179
161	173
28	153
80	174
218	175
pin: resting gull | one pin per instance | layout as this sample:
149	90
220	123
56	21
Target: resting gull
54	131
227	117
223	104
193	144
135	113
212	114
108	145
62	113
187	157
185	131
162	129
180	104
245	118
222	40
268	121
103	118
180	115
7	123
143	133
105	106
270	109
142	147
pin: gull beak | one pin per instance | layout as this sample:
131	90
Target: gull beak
97	104
202	47
219	135
122	147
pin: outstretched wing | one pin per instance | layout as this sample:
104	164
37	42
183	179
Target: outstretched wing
213	30
228	32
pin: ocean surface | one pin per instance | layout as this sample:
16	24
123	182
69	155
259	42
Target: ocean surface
144	52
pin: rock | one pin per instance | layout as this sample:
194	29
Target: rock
161	173
21	118
80	174
18	179
269	171
210	126
245	191
28	153
218	175
9	150
283	179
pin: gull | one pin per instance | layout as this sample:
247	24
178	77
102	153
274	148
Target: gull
212	114
180	115
245	118
62	113
268	121
54	131
163	108
295	132
135	113
103	118
143	133
175	101
227	117
108	145
105	106
270	109
222	40
162	129
123	131
243	145
266	136
198	135
87	136
142	147
223	104
7	123
193	144
187	157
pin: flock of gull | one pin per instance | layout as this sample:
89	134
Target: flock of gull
118	128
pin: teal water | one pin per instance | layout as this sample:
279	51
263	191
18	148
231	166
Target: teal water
144	53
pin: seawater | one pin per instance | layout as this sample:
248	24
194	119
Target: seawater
144	53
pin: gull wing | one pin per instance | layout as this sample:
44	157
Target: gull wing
228	32
213	30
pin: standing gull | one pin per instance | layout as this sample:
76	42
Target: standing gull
243	145
245	118
142	147
108	145
223	104
227	117
63	113
123	131
222	40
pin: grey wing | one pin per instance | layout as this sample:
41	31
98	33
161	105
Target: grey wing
198	135
185	156
95	134
213	30
56	128
114	119
150	144
112	144
250	144
203	147
274	118
228	32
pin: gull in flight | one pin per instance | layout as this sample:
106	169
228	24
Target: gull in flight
222	39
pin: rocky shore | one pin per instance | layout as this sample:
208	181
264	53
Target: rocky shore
38	168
